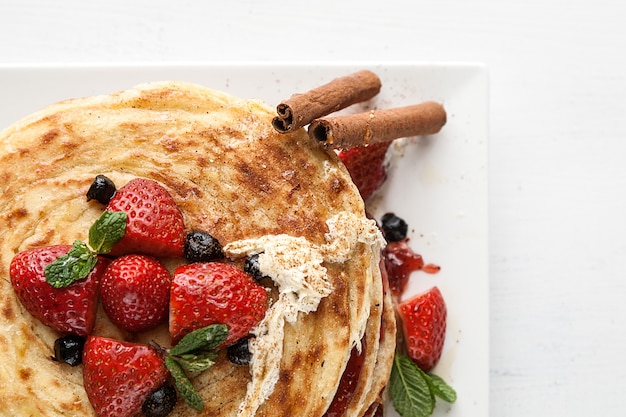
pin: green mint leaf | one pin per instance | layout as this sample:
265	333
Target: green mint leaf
184	385
196	362
440	388
194	353
206	338
71	267
410	392
107	231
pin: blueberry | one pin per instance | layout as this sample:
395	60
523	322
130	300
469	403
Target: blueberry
394	228
101	189
160	402
252	267
69	349
202	247
239	352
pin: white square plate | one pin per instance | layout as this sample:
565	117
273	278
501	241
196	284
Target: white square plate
437	184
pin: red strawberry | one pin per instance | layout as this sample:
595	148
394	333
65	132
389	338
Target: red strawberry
135	292
215	293
424	325
154	225
366	166
119	376
70	309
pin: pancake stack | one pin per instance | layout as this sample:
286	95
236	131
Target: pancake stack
232	175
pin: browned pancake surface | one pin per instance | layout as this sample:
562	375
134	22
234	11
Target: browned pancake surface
230	173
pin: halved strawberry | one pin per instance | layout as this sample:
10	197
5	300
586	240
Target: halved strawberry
71	309
154	224
424	326
366	165
119	376
215	293
135	292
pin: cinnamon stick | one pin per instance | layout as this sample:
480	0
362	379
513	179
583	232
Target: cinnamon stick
300	109
343	132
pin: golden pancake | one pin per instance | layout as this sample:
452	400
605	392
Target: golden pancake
233	176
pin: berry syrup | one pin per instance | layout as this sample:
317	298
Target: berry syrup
400	260
347	384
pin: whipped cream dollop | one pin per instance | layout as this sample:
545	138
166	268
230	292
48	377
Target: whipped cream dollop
296	267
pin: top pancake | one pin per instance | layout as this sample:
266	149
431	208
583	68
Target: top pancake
231	175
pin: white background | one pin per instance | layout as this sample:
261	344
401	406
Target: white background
557	200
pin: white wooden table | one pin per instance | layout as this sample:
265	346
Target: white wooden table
557	146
